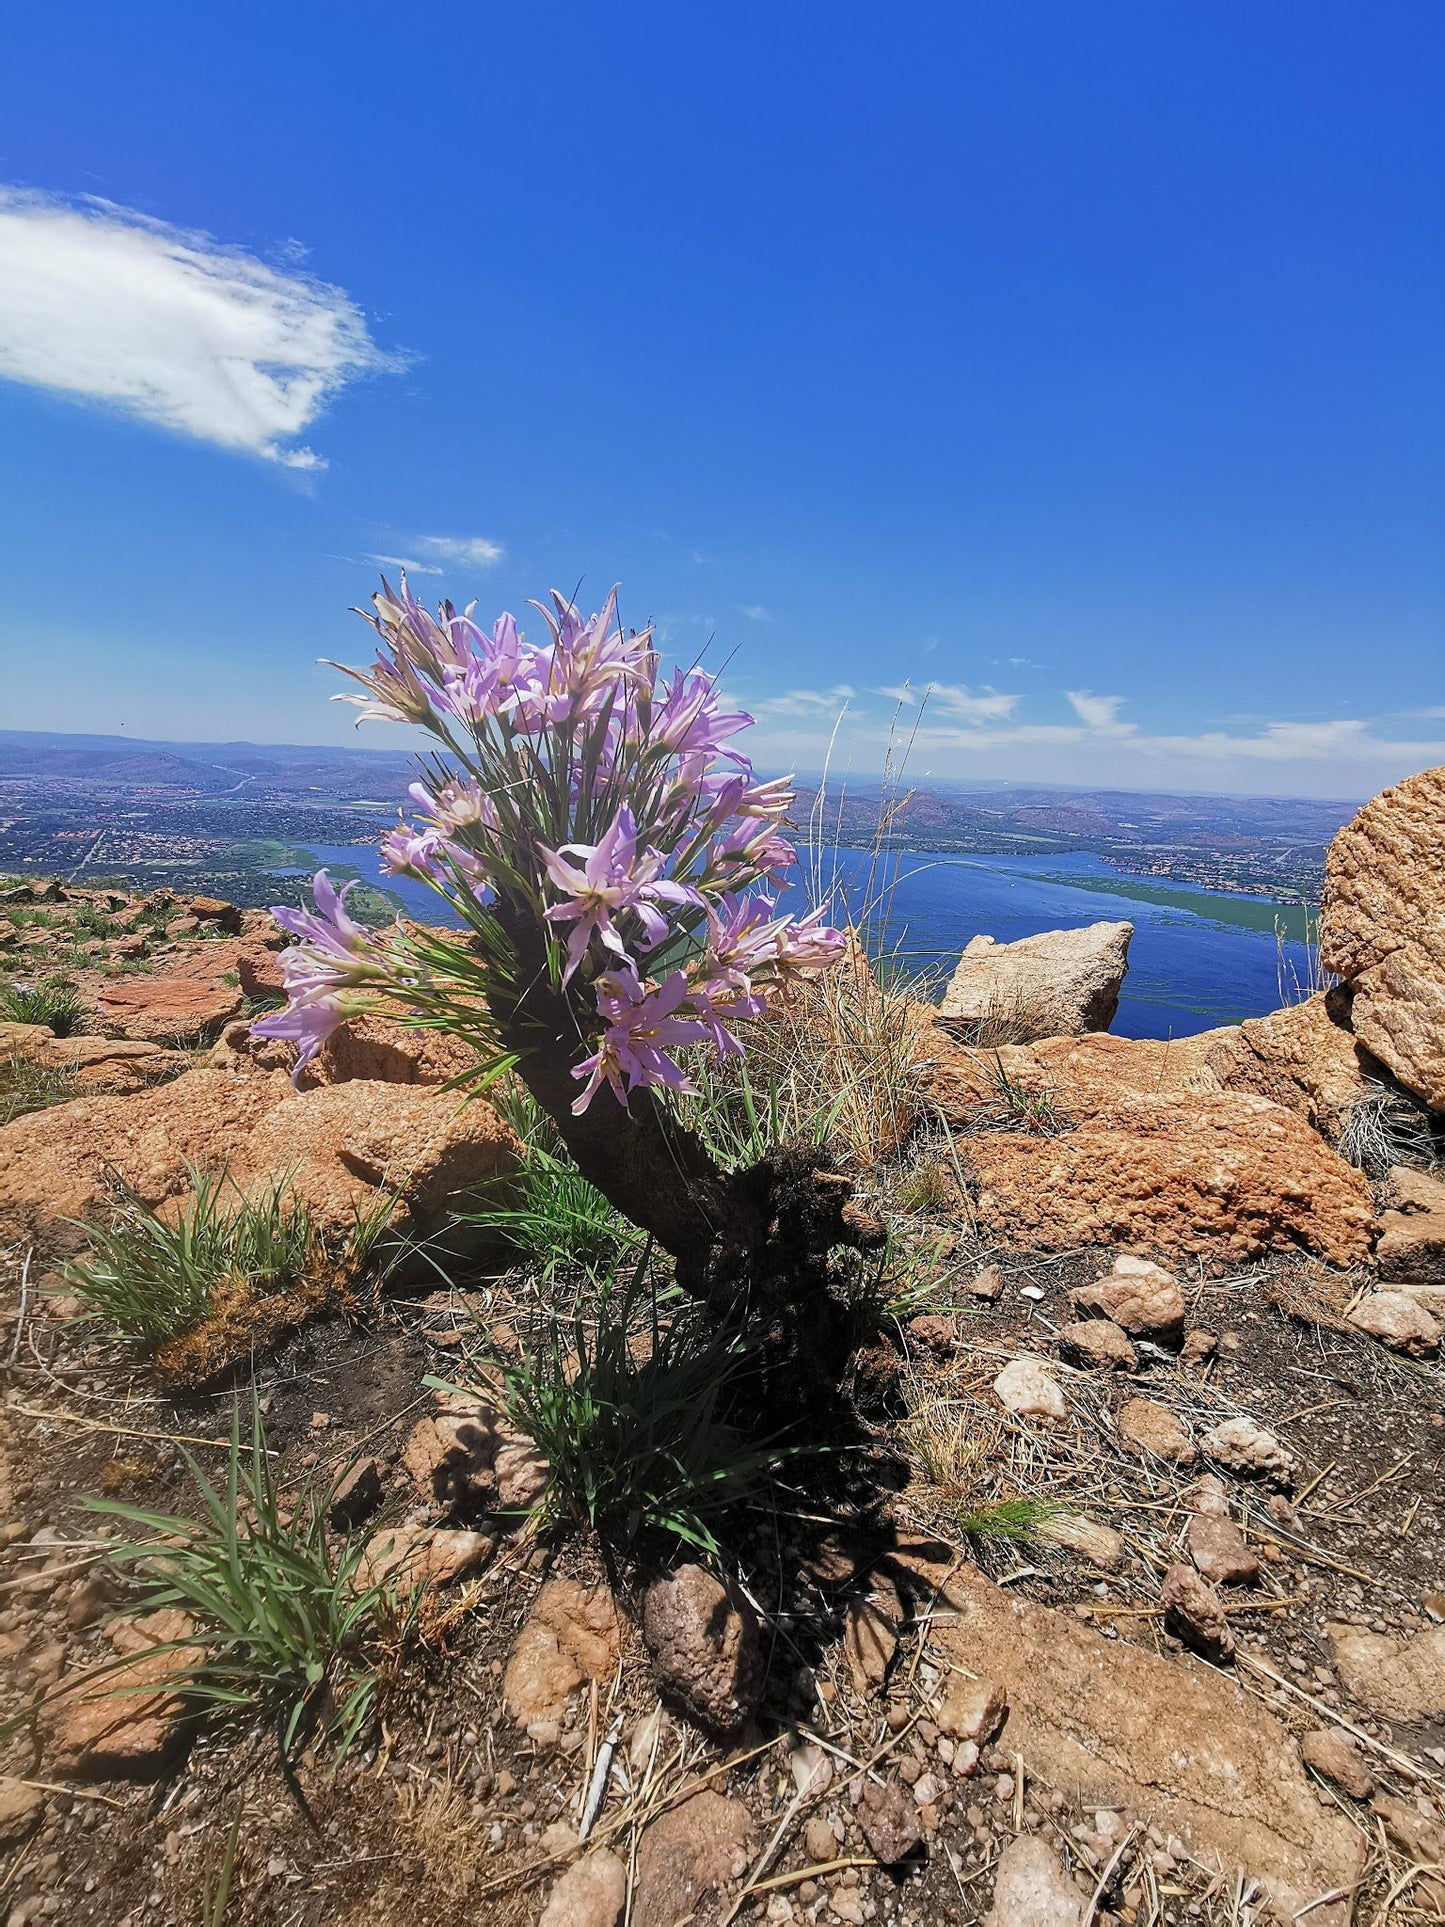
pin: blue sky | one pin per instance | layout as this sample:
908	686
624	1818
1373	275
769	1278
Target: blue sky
1085	360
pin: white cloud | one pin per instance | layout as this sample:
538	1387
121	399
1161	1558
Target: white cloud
474	551
955	699
404	562
109	306
1099	712
755	612
806	702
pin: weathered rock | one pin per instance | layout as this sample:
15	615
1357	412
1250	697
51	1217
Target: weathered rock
870	1634
379	1050
1024	1387
591	1894
132	1724
1056	984
1219	1551
412	1557
706	1652
1223	1177
572	1633
889	1821
1208	1497
686	1855
1147	1426
1194	1612
356	1495
185	999
1140	1297
450	1457
1101	1545
1176	1745
1335	1757
20	1808
1099	1342
343	1142
1245	1448
972	1709
1412	1232
1402	1678
1199	1347
521	1473
1383	932
1399	1321
934	1332
1031	1888
1423	1840
986	1283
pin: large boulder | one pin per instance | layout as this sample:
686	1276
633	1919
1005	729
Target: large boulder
1224	1177
1383	929
1176	1745
1057	984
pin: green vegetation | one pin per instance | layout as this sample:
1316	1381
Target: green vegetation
627	1407
44	1003
27	1087
555	1218
283	1626
155	1277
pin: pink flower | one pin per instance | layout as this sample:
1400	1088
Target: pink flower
642	1025
334	954
688	720
611	879
806	946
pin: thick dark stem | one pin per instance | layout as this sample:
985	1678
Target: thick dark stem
757	1239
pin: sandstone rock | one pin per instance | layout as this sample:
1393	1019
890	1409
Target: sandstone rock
450	1457
1421	1838
521	1473
1219	1551
20	1809
356	1495
1194	1612
1147	1426
1199	1347
1224	1177
1245	1448
934	1332
187	999
1024	1387
1101	1545
413	1557
1175	1745
55	1165
686	1855
1099	1342
1399	1321
1208	1497
870	1634
591	1894
1382	930
1031	1888
1336	1758
986	1283
972	1709
1412	1232
1140	1297
706	1652
1404	1679
379	1050
573	1633
132	1725
343	1142
1055	984
889	1821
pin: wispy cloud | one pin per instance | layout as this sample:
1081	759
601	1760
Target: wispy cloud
411	566
171	326
806	702
473	551
955	699
1099	712
755	612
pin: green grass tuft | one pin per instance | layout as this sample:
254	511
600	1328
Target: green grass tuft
54	1004
27	1087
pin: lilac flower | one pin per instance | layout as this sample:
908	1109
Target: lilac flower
740	941
307	1025
408	852
805	946
589	661
642	1025
456	805
334	954
688	720
611	878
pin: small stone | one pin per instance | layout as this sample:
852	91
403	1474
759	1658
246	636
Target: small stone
986	1282
686	1854
1194	1613
934	1332
889	1821
972	1709
1208	1496
1399	1321
571	1634
846	1904
20	1809
1199	1346
1150	1427
1336	1758
355	1497
1245	1448
1099	1342
820	1841
1403	1679
1025	1388
1141	1297
591	1894
521	1473
1218	1549
1031	1888
705	1647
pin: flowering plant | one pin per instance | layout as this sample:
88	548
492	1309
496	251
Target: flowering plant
603	843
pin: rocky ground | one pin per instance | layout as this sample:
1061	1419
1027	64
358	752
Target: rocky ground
1123	1600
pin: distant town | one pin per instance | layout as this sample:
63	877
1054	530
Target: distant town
240	820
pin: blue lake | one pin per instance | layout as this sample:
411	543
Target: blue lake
1199	957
